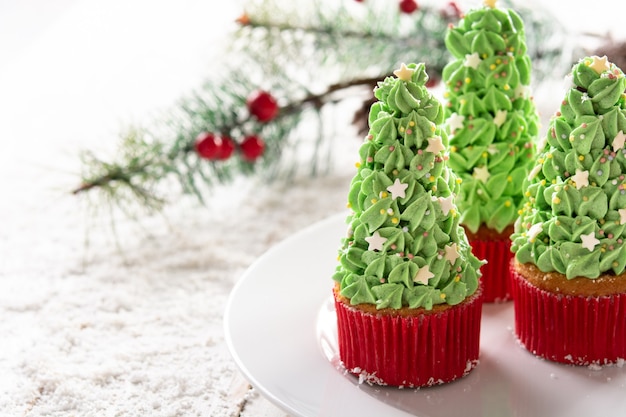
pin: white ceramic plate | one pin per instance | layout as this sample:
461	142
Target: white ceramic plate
280	328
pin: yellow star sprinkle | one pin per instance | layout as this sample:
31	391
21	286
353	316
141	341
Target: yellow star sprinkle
490	3
600	65
404	73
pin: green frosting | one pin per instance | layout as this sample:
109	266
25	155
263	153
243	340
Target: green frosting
491	118
573	217
405	246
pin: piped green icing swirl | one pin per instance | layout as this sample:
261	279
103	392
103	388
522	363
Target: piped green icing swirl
573	219
405	247
491	118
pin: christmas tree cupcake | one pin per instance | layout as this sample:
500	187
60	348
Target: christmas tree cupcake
493	124
407	294
569	268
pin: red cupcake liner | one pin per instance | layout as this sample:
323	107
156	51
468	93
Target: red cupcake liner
414	351
496	277
578	330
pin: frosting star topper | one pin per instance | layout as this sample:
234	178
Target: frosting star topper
404	73
599	64
490	3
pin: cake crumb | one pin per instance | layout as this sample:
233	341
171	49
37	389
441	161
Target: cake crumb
366	377
553	375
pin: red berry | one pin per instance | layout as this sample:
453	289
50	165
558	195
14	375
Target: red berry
408	6
252	147
451	11
208	145
262	105
226	149
432	82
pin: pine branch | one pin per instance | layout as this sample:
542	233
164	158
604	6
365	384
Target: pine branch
149	165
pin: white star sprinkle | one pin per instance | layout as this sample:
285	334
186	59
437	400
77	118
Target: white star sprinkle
481	173
472	60
397	189
435	145
375	241
622	216
455	121
500	117
404	73
446	204
600	65
423	275
584	97
452	253
521	91
618	141
581	178
534	230
589	241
